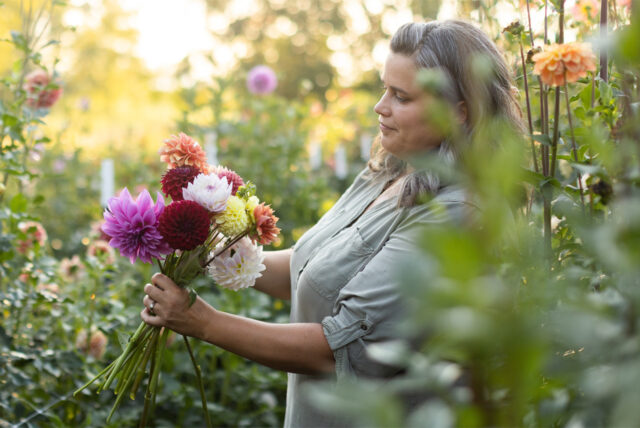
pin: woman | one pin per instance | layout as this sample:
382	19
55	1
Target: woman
339	275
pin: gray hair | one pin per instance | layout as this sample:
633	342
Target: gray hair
452	47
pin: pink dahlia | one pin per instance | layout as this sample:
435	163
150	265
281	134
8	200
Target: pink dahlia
34	234
133	226
176	179
231	176
41	91
261	80
182	151
266	231
185	224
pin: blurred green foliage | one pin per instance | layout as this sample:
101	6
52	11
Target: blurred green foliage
504	327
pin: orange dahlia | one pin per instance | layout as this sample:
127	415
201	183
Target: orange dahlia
183	150
266	230
564	63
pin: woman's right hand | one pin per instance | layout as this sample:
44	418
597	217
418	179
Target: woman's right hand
167	305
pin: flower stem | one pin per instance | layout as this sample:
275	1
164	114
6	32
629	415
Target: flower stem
105	370
556	132
526	92
227	246
145	359
203	396
121	359
573	142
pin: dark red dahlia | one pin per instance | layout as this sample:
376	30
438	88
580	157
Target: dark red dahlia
184	224
175	179
232	178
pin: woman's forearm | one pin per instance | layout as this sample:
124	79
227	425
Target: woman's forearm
296	348
275	280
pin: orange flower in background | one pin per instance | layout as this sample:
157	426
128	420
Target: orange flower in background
183	150
565	63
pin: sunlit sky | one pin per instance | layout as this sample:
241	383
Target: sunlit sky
170	30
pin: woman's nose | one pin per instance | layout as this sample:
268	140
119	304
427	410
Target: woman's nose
381	107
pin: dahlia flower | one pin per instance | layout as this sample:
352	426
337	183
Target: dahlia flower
585	10
250	206
176	179
239	266
97	344
133	226
183	150
231	176
261	80
101	250
569	61
233	220
41	91
71	269
266	231
210	191
184	224
35	234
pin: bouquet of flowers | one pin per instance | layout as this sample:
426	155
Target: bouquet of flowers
212	227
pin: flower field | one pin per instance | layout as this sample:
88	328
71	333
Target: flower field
528	317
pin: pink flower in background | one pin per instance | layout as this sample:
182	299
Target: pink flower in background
70	269
133	226
261	80
183	150
585	10
35	234
41	91
102	251
625	4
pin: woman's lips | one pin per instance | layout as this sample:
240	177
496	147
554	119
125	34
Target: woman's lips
385	128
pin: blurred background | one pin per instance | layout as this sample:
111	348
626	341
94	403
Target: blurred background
528	320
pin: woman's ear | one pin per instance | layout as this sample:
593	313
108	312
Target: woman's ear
461	109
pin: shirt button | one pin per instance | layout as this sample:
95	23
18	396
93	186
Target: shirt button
363	327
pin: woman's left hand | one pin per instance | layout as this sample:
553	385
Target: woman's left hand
171	308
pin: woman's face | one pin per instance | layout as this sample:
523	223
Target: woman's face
401	110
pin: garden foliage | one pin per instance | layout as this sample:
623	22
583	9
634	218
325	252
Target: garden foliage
527	315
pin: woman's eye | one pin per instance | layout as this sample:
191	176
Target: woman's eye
401	99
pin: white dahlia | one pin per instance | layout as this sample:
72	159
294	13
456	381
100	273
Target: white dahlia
239	266
210	191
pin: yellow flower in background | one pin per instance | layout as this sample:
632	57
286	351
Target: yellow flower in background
234	219
564	63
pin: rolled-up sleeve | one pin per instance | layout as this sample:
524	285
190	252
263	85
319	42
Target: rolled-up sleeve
369	307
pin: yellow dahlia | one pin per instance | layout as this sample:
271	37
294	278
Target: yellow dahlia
251	205
569	61
234	219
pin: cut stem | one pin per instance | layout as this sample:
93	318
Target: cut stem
203	396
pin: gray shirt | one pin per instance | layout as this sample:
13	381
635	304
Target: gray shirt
342	276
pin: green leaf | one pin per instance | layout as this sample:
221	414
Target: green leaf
123	338
18	203
542	139
605	92
10	120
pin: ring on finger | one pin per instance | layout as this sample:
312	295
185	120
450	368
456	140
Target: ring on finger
151	306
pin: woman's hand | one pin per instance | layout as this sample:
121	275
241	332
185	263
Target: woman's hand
171	308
